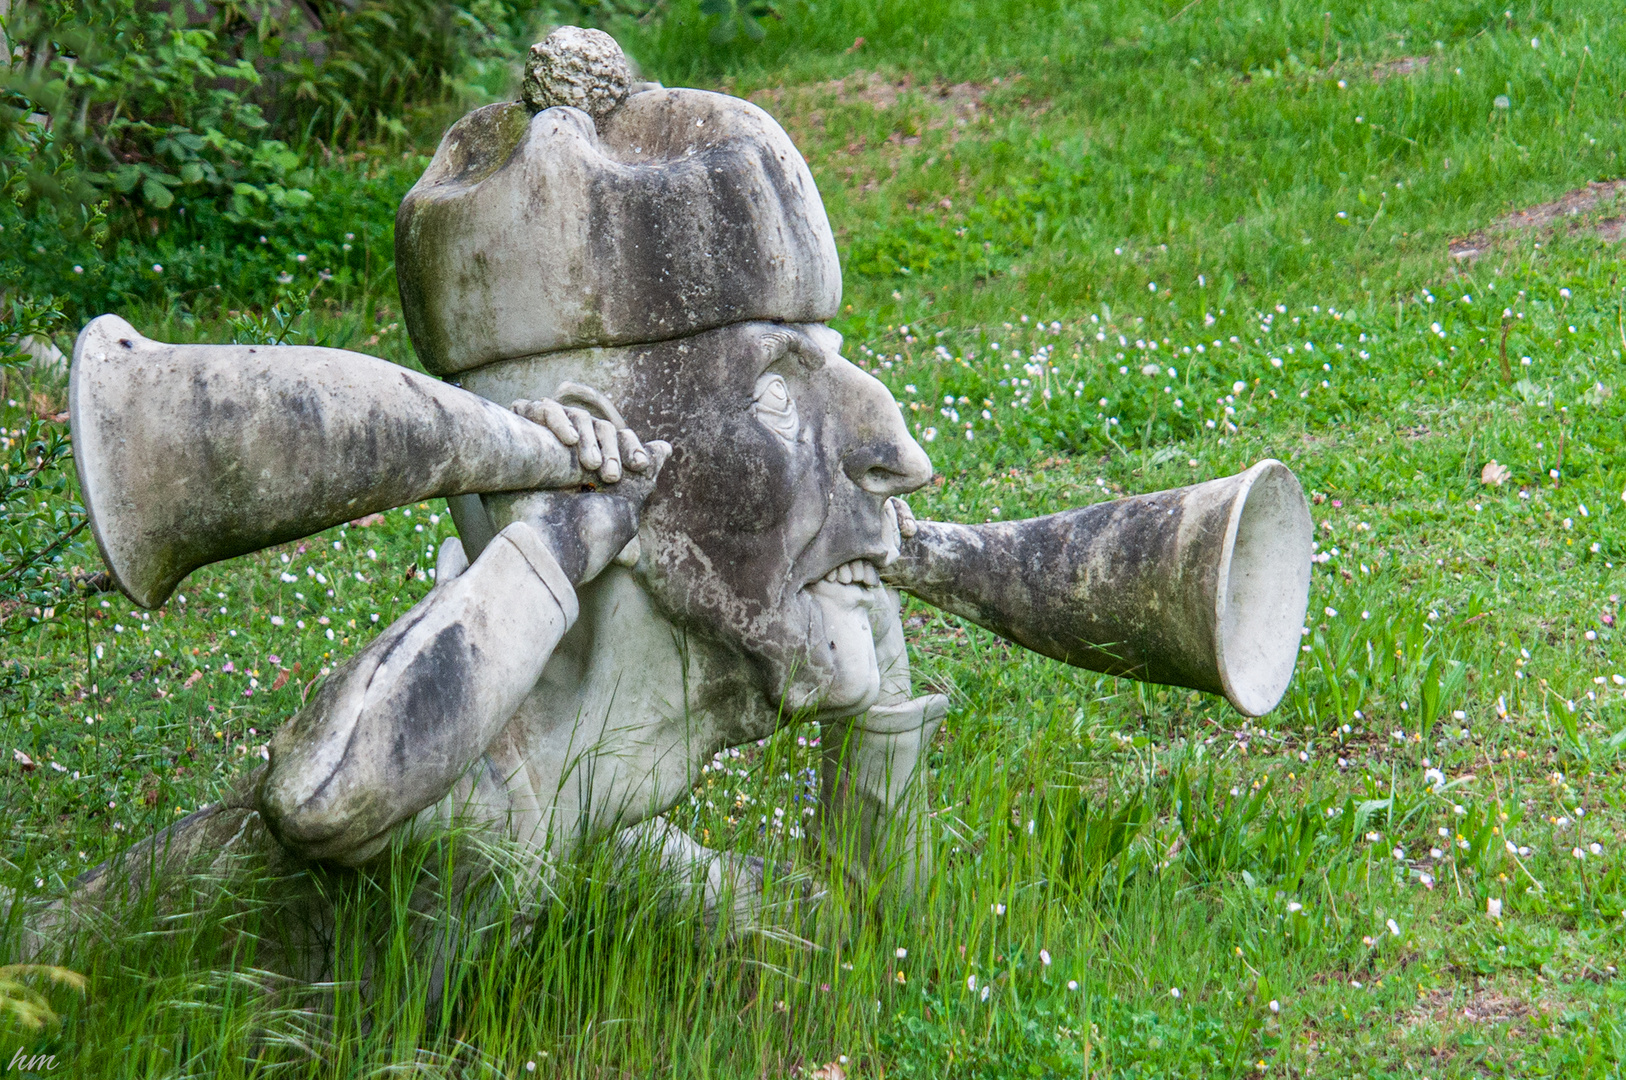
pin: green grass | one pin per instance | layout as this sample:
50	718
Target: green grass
1172	846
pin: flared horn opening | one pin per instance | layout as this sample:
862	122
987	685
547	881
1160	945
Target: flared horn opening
1203	586
1263	589
189	454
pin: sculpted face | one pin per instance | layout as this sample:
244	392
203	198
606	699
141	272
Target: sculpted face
770	522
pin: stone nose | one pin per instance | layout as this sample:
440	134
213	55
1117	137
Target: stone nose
881	456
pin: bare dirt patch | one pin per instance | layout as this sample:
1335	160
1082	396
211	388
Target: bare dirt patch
951	104
1590	209
1486	1005
1400	67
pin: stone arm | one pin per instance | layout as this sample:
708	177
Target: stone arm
391	731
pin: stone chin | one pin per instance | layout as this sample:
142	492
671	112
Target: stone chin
843	676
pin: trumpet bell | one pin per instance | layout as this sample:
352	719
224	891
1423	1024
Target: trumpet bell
188	454
1203	586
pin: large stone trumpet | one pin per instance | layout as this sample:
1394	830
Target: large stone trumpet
1203	586
189	454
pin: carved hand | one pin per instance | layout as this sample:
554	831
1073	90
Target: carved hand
602	446
585	530
899	525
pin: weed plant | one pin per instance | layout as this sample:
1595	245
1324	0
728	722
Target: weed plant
1094	249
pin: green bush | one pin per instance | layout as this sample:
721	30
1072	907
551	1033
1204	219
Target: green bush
191	156
39	514
386	67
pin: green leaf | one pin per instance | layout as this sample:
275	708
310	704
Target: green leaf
156	194
125	178
1431	696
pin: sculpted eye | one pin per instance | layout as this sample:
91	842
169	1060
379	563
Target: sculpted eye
774	408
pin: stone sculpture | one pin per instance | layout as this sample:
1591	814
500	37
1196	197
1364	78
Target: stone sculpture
683	533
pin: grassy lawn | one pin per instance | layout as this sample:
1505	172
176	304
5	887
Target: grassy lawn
1096	249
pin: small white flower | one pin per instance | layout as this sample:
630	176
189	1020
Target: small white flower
1595	847
1394	927
971	982
1044	957
1072	984
997	909
1174	992
902	953
1493	907
1275	1006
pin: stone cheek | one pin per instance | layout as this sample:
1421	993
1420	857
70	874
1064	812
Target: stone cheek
683	211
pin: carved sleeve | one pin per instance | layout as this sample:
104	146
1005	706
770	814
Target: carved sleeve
391	731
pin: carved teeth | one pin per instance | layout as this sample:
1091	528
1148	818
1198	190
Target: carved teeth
856	572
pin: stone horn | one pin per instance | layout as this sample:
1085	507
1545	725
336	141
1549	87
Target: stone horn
189	454
1203	587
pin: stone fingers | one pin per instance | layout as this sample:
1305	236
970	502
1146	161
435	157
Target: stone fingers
587	449
633	455
907	526
601	446
553	415
609	446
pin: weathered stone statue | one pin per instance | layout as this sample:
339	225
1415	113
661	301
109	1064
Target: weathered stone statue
621	606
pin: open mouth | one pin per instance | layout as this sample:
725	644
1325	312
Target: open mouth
860	572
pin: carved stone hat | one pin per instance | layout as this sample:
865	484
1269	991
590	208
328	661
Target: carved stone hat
586	216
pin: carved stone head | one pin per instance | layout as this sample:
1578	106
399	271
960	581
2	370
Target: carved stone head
675	255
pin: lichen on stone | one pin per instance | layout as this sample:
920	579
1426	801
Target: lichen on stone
582	68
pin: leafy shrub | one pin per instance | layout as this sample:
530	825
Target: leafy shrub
38	514
372	69
141	112
163	153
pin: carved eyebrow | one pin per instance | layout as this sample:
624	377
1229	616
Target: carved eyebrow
777	344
